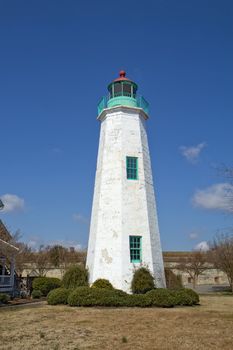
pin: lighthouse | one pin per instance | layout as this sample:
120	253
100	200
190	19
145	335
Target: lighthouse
124	232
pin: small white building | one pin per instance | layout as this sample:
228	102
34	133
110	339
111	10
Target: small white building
124	231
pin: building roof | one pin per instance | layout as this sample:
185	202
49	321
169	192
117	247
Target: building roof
4	233
6	248
122	77
176	256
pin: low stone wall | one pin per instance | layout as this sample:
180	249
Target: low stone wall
210	276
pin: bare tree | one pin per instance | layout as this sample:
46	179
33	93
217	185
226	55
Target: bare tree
221	255
24	255
62	257
194	264
41	260
56	255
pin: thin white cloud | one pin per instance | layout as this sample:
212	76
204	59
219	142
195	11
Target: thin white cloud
203	246
193	235
12	203
56	150
192	153
216	197
79	218
34	242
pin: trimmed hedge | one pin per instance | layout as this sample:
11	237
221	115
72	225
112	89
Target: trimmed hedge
161	297
36	294
142	281
46	284
58	296
186	296
4	298
102	284
75	276
137	300
183	298
85	296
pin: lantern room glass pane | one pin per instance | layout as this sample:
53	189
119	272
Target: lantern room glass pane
127	89
117	89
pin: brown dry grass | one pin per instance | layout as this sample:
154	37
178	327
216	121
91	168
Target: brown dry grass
209	326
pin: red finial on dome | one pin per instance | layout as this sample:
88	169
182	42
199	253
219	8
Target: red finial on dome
122	73
122	76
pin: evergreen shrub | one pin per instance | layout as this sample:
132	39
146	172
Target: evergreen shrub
58	296
186	296
75	276
4	298
36	294
102	284
137	300
85	296
142	281
46	284
161	297
182	298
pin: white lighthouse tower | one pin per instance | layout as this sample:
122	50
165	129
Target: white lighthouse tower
124	232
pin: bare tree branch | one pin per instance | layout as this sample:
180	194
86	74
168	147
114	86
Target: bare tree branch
221	254
194	264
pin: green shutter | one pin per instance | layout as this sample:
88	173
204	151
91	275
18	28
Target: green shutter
132	168
135	244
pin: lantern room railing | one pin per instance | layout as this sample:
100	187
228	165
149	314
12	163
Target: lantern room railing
140	102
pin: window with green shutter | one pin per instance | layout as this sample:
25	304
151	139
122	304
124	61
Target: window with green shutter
132	168
135	244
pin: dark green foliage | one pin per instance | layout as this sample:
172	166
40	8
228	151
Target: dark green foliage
193	295
46	284
173	281
182	298
4	298
161	297
137	300
75	276
120	293
102	283
85	296
36	294
58	296
57	255
142	281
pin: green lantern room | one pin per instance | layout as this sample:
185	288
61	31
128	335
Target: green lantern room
122	92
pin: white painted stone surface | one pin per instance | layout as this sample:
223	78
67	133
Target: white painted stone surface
122	207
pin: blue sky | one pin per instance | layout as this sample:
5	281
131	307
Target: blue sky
57	58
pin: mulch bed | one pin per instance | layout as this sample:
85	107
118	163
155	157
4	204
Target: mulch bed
20	301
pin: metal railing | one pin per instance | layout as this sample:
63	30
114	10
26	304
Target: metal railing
141	102
122	93
102	104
